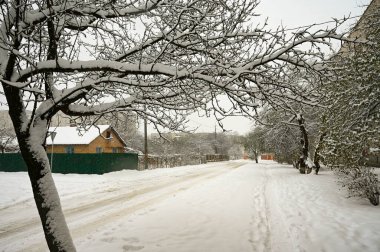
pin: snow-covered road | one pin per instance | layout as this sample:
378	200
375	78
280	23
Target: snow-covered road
228	206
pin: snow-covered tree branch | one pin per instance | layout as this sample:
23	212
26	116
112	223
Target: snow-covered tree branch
174	57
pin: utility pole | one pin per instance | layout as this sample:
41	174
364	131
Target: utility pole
215	142
145	141
52	135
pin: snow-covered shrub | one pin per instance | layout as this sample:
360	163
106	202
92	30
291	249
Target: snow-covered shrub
360	182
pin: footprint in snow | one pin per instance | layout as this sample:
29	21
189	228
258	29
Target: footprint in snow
108	239
132	248
131	239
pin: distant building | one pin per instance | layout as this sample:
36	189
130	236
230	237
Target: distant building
267	156
97	139
8	144
360	28
5	120
359	31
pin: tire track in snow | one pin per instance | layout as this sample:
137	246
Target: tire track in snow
73	215
21	225
30	201
18	203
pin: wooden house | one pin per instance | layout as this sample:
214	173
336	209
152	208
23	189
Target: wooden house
267	156
96	139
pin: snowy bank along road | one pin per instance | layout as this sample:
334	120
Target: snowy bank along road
227	206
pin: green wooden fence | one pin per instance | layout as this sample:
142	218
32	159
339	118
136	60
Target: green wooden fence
76	163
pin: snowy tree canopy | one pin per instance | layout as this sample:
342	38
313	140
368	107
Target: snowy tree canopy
87	58
90	57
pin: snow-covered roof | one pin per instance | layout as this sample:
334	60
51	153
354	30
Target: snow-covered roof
373	150
11	142
72	135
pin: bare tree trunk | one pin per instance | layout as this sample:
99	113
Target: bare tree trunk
305	146
45	194
295	163
317	155
31	134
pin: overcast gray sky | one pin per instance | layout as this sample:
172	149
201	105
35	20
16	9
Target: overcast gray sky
293	13
290	14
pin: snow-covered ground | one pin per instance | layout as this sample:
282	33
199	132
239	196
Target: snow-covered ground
234	206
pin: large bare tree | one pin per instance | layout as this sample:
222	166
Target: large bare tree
87	58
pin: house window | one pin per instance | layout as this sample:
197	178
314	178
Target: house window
115	150
99	149
69	149
108	135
